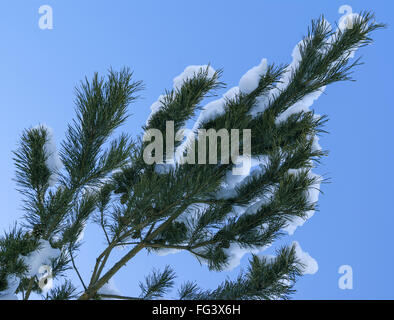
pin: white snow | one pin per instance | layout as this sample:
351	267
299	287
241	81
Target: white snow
315	144
40	257
110	289
155	107
9	293
313	196
303	105
188	73
215	108
250	80
166	251
346	21
311	266
236	253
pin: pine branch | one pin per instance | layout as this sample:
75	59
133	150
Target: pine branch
186	206
101	108
65	291
265	279
76	269
157	283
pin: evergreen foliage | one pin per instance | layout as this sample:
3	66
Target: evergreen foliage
105	180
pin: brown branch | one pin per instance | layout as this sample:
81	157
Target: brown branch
91	291
96	283
98	262
29	288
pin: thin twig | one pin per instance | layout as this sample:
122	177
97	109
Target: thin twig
103	226
76	269
114	296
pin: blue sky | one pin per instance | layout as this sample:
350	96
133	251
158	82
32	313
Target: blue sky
158	39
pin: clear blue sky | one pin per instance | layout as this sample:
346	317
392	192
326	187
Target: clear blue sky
158	39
